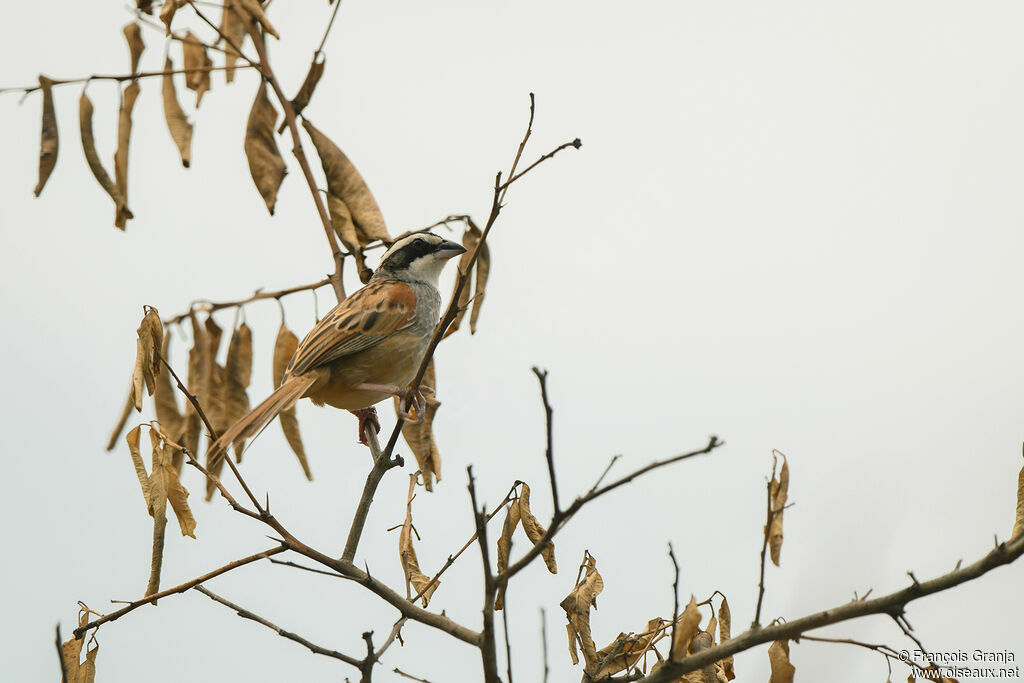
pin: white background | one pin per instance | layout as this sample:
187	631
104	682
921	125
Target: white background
792	225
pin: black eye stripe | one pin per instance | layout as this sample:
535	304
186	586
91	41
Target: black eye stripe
407	253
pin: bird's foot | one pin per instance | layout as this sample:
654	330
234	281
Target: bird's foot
419	404
367	417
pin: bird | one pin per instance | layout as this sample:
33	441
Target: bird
368	347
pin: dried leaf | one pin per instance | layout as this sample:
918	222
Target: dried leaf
158	511
255	10
198	379
627	649
151	334
232	26
534	531
137	377
284	349
167	13
177	123
140	468
167	413
145	6
686	628
470	238
407	554
301	99
780	491
133	34
197	66
724	633
483	269
71	651
782	669
85	111
122	421
177	496
49	141
124	135
420	437
238	374
512	518
1018	525
265	163
577	609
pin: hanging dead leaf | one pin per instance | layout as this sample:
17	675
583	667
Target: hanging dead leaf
255	10
198	379
158	511
238	374
301	99
144	6
483	269
129	406
686	628
512	518
167	413
213	403
724	633
626	650
49	140
780	492
140	468
232	28
71	653
778	656
85	111
177	123
534	531
124	135
133	35
1018	525
265	163
470	238
197	66
167	13
420	437
577	610
284	349
407	554
147	363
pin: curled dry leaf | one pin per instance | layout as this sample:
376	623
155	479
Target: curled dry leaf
167	13
198	379
213	401
71	652
470	238
133	35
232	27
255	10
686	628
1018	525
129	406
780	491
626	650
577	610
147	362
144	6
158	511
238	374
407	553
512	518
165	487
265	163
724	633
301	99
483	269
778	656
197	66
177	123
420	437
284	349
140	467
167	413
85	111
124	136
49	141
534	531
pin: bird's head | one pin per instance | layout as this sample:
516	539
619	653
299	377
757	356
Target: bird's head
417	258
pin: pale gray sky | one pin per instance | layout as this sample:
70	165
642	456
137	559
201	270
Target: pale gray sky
793	225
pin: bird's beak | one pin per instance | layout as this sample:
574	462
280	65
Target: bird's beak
449	249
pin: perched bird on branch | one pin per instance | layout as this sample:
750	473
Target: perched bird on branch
368	347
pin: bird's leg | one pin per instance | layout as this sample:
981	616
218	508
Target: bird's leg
367	417
419	403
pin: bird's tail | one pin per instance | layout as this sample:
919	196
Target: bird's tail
283	398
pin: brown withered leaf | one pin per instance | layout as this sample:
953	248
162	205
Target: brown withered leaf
238	374
483	269
166	404
414	576
147	363
284	349
145	6
470	238
577	610
133	35
1018	525
686	628
197	379
158	511
512	518
265	163
129	406
213	403
232	26
782	669
138	380
627	649
197	63
124	136
71	653
177	123
140	467
780	492
167	13
534	531
85	111
724	633
49	140
420	437
301	99
255	10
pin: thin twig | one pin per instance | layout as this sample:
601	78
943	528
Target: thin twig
247	614
60	656
576	144
118	78
327	31
675	602
544	641
177	589
258	295
488	653
508	642
549	454
769	517
396	669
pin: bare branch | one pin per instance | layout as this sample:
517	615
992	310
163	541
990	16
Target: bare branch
769	517
60	656
258	295
119	78
396	669
549	454
488	649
